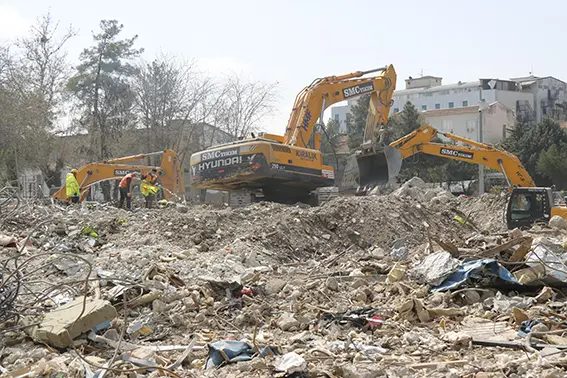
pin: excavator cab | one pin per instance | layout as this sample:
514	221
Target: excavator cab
377	168
529	205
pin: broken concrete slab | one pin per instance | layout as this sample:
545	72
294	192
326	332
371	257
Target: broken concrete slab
59	327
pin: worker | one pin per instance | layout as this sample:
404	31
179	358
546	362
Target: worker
72	186
126	190
149	187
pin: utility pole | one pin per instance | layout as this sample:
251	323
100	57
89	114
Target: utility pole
480	139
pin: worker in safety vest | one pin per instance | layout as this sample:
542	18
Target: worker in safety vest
126	190
149	187
72	188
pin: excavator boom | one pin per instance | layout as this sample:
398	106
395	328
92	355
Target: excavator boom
419	141
311	102
470	151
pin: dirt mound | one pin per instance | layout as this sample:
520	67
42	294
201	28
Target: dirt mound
330	284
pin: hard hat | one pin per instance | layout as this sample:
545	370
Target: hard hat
74	171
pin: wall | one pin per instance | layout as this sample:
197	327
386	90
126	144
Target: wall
509	98
465	122
428	98
497	120
546	87
423	82
466	94
340	113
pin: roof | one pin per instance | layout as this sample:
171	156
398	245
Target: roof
533	79
424	77
438	88
452	111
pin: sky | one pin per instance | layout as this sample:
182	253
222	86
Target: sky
293	42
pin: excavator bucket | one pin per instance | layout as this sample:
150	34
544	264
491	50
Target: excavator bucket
379	168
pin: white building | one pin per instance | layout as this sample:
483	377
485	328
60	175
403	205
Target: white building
462	94
339	113
548	92
528	98
464	121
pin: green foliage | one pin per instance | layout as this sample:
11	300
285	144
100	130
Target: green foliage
403	123
356	122
532	144
102	85
552	164
330	140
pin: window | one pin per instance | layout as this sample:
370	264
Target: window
465	103
448	125
451	105
424	107
437	106
336	117
396	110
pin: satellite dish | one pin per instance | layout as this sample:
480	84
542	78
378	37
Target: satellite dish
492	83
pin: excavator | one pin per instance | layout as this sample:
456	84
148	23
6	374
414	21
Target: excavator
290	168
170	173
527	204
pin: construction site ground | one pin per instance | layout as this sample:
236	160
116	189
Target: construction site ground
345	289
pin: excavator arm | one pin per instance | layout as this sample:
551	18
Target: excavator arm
419	141
311	102
170	173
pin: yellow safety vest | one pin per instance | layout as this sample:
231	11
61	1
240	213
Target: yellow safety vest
72	186
146	188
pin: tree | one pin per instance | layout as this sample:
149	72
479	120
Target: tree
455	171
32	75
44	65
168	93
552	164
356	122
330	137
102	86
242	104
527	143
403	123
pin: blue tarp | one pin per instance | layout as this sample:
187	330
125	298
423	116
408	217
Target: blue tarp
475	271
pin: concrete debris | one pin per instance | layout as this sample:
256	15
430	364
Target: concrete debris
291	363
434	268
347	289
558	223
59	327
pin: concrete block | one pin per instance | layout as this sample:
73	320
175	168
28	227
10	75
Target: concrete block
59	327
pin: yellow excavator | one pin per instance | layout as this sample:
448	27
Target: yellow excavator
527	204
171	176
289	168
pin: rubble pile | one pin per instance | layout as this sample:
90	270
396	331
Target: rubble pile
413	283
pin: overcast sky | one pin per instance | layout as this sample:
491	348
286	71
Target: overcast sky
293	42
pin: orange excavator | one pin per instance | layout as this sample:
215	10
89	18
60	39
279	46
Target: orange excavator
170	173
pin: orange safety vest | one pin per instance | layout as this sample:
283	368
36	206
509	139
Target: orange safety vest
126	180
